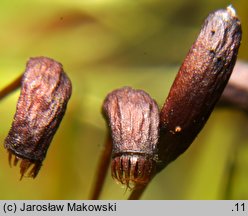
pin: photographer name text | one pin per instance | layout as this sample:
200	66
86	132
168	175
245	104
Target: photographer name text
67	207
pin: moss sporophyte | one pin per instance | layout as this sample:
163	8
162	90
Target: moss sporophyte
45	91
141	140
144	140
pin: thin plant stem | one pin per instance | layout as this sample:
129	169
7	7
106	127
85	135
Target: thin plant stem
102	169
137	192
235	94
11	87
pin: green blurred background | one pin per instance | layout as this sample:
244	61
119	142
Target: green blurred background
107	44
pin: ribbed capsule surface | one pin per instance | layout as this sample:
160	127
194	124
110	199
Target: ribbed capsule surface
199	82
45	91
133	118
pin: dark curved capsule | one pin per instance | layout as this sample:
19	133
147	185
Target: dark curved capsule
199	83
45	91
133	118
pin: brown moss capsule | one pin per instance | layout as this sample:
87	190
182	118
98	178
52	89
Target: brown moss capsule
199	83
45	91
133	118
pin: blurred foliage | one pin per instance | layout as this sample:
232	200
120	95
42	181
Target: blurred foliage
106	44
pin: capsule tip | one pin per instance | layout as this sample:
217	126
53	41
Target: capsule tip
27	168
230	9
133	171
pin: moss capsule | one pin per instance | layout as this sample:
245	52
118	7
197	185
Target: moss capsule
45	91
199	83
133	118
